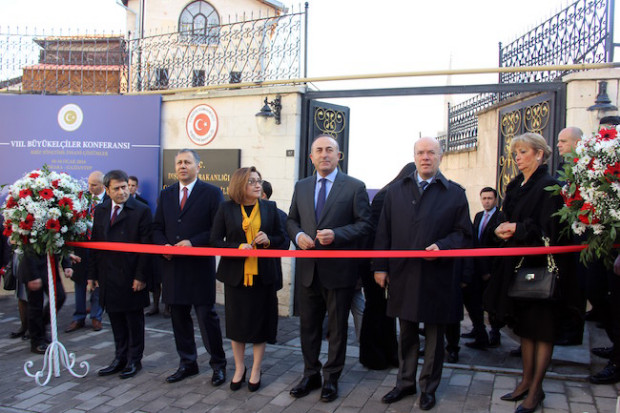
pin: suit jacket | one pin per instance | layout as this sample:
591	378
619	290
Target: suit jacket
139	198
483	265
421	290
228	233
187	280
115	271
346	212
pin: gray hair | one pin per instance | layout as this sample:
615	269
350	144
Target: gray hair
193	152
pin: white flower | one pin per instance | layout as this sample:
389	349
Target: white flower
64	229
578	227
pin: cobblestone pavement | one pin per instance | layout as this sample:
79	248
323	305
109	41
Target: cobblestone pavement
475	384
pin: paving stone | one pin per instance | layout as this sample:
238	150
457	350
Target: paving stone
459	379
93	402
584	407
556	401
579	394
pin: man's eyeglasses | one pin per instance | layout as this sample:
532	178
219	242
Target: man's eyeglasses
253	182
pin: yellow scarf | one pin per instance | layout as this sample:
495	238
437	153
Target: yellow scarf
251	226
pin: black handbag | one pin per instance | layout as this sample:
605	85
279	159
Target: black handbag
535	283
10	283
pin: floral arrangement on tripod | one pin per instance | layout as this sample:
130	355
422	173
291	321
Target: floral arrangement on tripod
592	193
44	210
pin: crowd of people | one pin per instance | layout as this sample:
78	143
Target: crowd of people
419	210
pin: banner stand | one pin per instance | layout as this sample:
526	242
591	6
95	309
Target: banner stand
56	353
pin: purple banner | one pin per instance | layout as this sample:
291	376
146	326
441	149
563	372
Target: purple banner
81	134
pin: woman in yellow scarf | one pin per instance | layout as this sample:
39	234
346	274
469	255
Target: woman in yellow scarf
251	304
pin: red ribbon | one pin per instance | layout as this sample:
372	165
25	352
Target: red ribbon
269	253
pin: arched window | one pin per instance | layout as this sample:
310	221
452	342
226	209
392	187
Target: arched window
199	23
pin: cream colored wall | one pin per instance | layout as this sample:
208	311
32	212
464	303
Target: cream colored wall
162	16
581	91
237	130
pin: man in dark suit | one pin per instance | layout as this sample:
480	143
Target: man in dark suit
484	224
423	211
121	276
133	189
80	268
329	211
184	217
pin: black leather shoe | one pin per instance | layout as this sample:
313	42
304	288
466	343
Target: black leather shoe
453	357
18	333
236	385
38	349
114	367
477	345
396	394
509	397
495	339
522	409
603	352
427	401
329	392
609	375
219	376
131	370
182	373
306	385
252	387
471	334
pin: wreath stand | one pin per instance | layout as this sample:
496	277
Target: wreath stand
56	353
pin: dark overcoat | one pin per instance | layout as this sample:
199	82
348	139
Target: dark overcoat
228	233
422	290
531	207
115	271
347	213
187	280
483	265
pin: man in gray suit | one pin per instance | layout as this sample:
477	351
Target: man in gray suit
329	211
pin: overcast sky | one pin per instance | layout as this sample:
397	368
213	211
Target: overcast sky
356	37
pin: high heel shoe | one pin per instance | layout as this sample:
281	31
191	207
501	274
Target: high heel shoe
236	385
522	409
508	397
252	387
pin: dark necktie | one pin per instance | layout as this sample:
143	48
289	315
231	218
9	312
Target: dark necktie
184	199
114	215
483	224
423	185
320	202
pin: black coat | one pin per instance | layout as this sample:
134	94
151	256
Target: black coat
228	233
531	207
347	213
187	280
483	265
116	271
422	290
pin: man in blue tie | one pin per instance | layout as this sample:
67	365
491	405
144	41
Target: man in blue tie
484	224
423	211
329	211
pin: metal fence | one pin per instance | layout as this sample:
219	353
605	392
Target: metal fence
581	33
255	50
249	51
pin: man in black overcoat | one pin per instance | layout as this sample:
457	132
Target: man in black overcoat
184	216
121	276
329	211
424	211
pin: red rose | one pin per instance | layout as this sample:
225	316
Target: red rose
11	202
8	230
53	224
46	193
613	170
24	239
587	214
66	202
608	134
34	175
570	201
25	193
80	194
55	183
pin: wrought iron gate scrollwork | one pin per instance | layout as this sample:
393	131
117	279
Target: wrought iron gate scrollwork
532	115
329	121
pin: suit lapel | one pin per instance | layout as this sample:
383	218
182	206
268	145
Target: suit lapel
334	193
191	199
